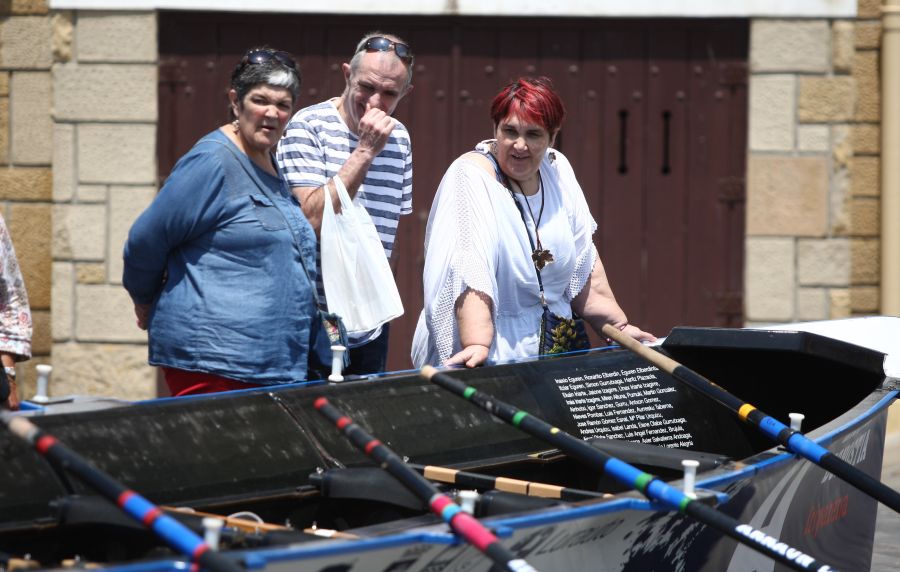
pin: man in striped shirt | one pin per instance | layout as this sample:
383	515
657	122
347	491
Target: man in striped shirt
355	138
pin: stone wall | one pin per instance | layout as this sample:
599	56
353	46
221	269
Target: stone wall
104	175
25	159
813	168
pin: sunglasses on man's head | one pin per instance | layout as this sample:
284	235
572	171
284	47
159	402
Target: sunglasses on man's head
382	44
265	56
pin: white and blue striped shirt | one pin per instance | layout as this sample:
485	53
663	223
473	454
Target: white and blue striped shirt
317	143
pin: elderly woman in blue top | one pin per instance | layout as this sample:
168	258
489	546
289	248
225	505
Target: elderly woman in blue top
221	266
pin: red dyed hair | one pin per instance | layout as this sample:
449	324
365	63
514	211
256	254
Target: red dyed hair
531	99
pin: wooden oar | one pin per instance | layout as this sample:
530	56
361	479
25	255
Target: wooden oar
505	484
650	486
793	441
172	532
461	522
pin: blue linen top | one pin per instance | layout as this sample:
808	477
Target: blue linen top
229	268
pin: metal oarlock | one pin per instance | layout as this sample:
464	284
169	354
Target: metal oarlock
690	477
212	531
337	362
43	383
796	420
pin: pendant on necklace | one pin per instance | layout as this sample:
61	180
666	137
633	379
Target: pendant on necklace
541	257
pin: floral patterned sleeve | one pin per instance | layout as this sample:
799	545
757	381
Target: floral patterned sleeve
15	315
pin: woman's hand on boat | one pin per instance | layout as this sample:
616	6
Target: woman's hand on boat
471	356
638	334
142	313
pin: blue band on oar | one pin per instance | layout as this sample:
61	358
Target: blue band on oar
806	448
771	427
449	512
518	417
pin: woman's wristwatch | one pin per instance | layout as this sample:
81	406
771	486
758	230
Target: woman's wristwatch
10	372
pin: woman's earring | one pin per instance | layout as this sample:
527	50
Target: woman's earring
493	147
235	125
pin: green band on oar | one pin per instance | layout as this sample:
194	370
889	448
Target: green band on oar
653	488
793	441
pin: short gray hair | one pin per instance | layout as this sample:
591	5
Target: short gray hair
358	54
248	75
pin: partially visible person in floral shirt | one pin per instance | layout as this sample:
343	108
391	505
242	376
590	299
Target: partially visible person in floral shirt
15	315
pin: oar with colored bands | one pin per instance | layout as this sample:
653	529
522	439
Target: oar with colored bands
793	441
172	532
461	522
650	486
505	484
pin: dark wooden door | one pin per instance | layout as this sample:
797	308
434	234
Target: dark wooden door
656	132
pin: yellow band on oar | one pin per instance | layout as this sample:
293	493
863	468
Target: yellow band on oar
745	410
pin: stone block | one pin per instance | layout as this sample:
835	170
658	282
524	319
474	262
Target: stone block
63	30
868	86
839	304
63	300
865	267
117	37
30	123
24	7
41	337
64	177
866	9
772	110
26	184
865	138
105	313
787	196
865	173
79	232
79	88
842	46
868	35
90	272
813	138
841	145
864	299
770	279
823	262
92	193
4	130
839	199
865	216
812	304
26	42
28	224
824	99
108	370
125	204
789	45
4	83
124	154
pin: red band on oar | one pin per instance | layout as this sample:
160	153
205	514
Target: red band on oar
343	422
371	445
123	498
201	549
318	403
44	443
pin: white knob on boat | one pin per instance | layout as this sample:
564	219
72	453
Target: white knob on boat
467	500
43	383
337	363
690	476
212	531
796	421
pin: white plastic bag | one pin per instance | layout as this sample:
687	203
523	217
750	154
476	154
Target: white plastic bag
359	284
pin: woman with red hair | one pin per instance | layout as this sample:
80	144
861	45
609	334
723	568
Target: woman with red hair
508	250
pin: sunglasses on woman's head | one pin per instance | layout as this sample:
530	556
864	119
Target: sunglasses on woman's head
265	56
382	44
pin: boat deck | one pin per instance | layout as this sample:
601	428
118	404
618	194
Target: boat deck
886	554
